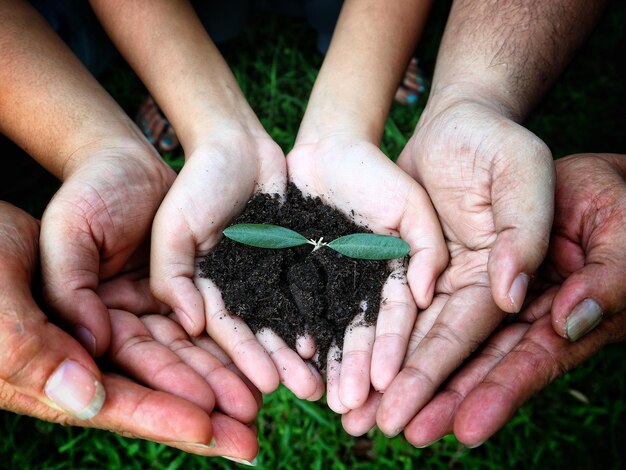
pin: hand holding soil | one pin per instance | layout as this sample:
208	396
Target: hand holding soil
217	181
356	178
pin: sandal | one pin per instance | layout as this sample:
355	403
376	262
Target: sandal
413	85
156	127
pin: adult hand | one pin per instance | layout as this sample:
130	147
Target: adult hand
586	255
45	373
585	261
92	227
218	179
352	174
491	182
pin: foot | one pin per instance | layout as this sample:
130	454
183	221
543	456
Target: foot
156	127
413	84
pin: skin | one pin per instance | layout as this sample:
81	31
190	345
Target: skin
490	180
336	156
229	157
175	404
585	260
113	180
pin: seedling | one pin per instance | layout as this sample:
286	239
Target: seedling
358	245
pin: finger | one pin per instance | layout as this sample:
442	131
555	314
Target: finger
135	351
393	329
425	321
333	373
70	277
436	419
210	346
467	319
233	335
37	360
421	229
232	396
593	292
172	268
294	373
131	295
305	346
539	358
361	420
523	208
42	362
354	379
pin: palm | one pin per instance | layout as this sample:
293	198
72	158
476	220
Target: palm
490	182
90	230
213	187
356	178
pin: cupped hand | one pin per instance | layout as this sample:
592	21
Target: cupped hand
492	184
586	255
585	261
218	179
93	226
46	373
354	176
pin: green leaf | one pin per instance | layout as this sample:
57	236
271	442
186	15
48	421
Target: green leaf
370	246
264	235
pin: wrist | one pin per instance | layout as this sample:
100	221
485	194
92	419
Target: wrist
117	150
325	122
445	95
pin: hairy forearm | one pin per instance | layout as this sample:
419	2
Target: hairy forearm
371	47
166	44
510	52
49	103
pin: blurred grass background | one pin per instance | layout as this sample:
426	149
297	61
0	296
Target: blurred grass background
577	422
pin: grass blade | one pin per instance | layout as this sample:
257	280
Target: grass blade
264	235
370	246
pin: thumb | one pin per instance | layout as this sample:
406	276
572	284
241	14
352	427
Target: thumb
523	209
172	268
40	361
591	293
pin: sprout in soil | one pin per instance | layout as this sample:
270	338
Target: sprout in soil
358	245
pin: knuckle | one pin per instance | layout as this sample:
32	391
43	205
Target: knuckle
417	374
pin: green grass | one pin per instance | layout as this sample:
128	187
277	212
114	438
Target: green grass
584	112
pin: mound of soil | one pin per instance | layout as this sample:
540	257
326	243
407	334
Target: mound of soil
294	291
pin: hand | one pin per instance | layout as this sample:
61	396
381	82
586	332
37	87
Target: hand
491	182
218	179
586	255
93	226
352	174
45	373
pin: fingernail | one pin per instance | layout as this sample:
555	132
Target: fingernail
167	141
199	445
412	98
584	318
75	390
392	434
478	444
185	319
518	291
84	337
427	445
249	463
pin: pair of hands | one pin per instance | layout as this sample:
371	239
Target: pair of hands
179	384
345	171
585	260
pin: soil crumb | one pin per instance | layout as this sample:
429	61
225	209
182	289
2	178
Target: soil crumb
294	291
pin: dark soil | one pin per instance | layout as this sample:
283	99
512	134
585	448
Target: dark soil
294	291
